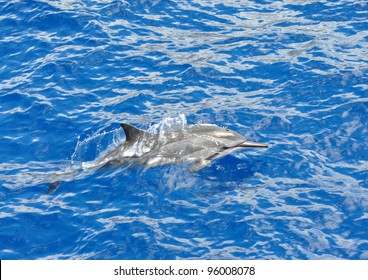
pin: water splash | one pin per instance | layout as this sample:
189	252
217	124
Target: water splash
98	144
93	146
85	153
169	124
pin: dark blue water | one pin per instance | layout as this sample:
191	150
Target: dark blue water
289	73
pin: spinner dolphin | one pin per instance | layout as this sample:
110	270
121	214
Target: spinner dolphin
197	145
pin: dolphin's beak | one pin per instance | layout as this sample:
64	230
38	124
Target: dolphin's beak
247	144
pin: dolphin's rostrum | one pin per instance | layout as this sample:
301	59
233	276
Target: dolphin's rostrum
197	145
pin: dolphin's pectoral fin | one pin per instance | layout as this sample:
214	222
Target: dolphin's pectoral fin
199	165
53	187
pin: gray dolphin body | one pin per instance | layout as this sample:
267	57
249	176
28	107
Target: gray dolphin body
197	145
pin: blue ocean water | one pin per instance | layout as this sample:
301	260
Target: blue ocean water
292	74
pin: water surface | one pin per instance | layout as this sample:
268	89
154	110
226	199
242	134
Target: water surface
289	73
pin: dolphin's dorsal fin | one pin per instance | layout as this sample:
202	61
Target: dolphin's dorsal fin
131	132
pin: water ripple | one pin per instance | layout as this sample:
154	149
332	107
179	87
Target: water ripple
289	73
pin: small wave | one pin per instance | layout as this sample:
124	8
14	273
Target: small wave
17	176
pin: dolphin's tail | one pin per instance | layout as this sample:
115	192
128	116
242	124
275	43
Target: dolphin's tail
58	177
53	187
